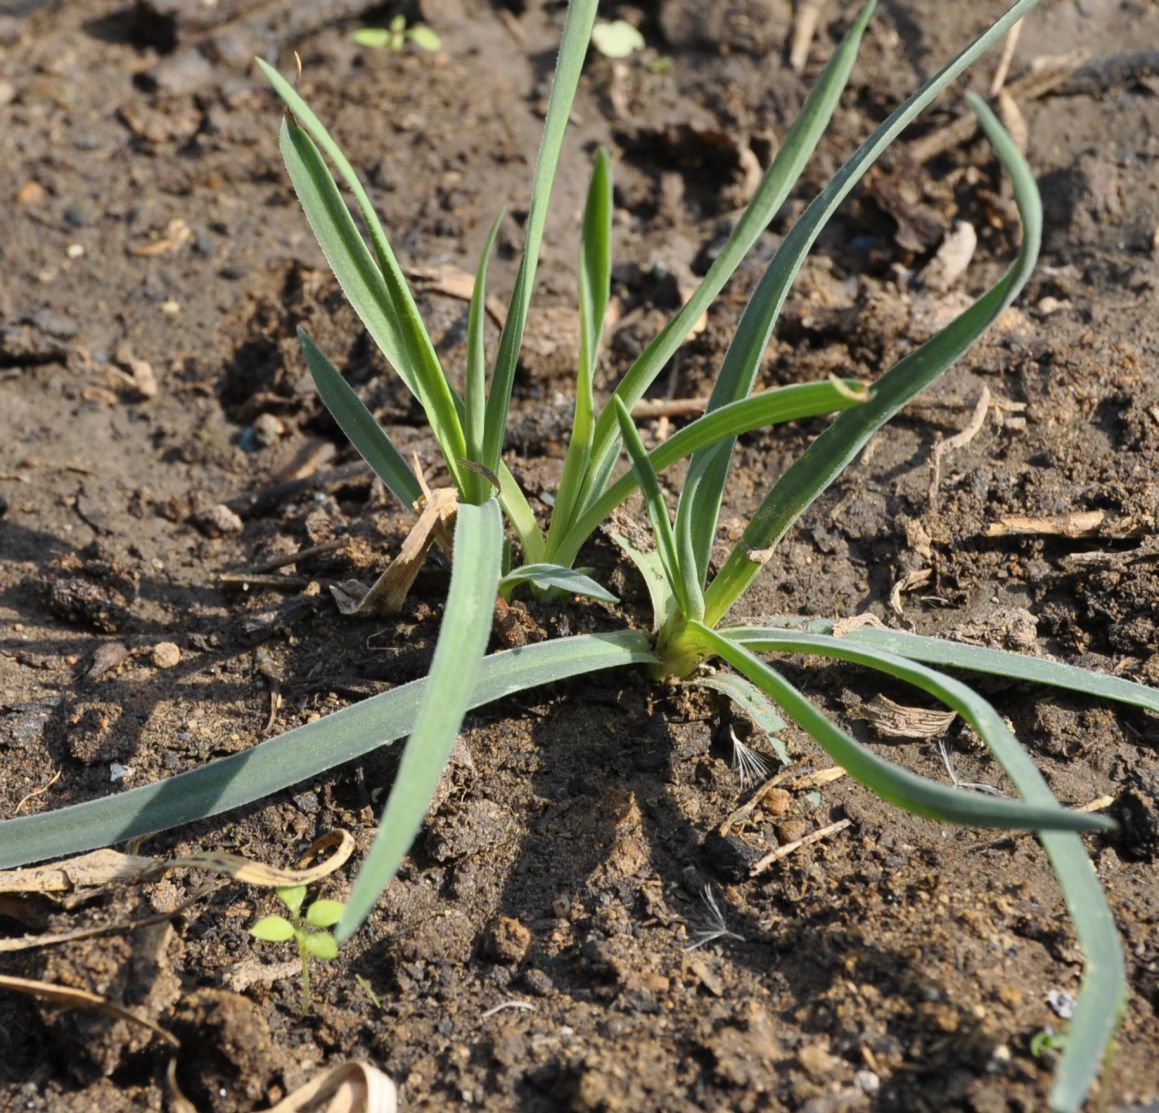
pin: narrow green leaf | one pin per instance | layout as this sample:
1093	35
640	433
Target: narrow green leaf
273	929
324	913
751	701
975	658
831	452
359	425
299	754
577	32
521	517
775	186
595	277
665	605
563	579
1102	999
321	944
379	293
893	784
476	391
770	407
687	593
459	651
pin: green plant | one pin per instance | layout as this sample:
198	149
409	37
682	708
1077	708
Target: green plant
306	929
689	599
617	38
396	34
1046	1040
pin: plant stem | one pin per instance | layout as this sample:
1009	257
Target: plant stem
304	955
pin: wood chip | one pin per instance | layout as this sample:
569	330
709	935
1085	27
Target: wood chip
896	720
1077	524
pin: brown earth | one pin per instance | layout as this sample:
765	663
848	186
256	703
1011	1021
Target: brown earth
155	264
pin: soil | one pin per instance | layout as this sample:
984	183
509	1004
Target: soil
535	953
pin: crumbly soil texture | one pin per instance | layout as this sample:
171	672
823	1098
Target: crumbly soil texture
547	944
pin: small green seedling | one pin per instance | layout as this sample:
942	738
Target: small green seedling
306	930
396	35
1045	1041
616	39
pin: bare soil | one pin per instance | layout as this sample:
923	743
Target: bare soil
159	433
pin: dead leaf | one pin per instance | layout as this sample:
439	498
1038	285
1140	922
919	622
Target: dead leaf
79	998
348	1088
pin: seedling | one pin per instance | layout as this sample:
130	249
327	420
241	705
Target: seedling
1047	1040
307	930
691	593
616	39
396	35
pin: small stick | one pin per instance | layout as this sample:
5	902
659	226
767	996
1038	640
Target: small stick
668	407
804	29
958	440
791	847
1007	56
1036	84
791	779
248	579
302	554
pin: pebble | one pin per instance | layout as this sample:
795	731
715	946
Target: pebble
166	655
267	429
218	521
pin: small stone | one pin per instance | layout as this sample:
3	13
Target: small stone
507	941
790	830
537	982
867	1081
166	655
817	1061
31	193
218	521
267	429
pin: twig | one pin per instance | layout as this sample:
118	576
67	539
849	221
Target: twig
668	407
506	1005
1003	67
790	778
804	29
792	847
1052	75
958	440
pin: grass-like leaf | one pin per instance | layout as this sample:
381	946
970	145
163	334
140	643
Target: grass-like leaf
559	578
595	275
381	299
832	452
475	395
1101	1001
895	785
462	641
359	424
577	32
775	186
973	658
770	407
299	754
752	702
685	589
